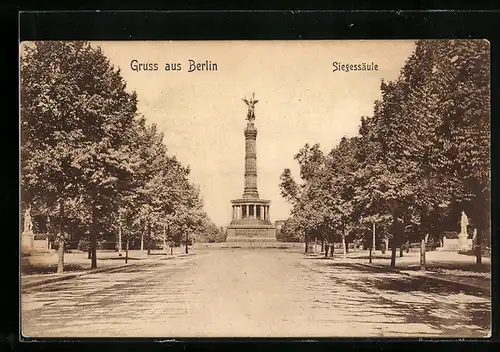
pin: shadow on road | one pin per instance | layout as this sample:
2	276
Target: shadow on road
420	300
406	284
50	269
472	268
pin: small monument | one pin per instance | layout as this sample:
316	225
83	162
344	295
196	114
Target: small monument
251	221
27	236
463	244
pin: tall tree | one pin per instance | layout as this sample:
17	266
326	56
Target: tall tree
75	113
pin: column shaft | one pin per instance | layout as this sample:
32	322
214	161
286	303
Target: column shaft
250	189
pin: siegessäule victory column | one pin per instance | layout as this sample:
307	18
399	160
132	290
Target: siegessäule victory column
251	222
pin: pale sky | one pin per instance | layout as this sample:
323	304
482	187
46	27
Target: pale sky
300	101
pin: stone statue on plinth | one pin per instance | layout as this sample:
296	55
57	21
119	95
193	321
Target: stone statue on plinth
27	237
463	236
464	221
28	224
251	107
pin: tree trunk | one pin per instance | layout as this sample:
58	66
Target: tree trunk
89	256
422	254
93	235
326	250
60	256
187	239
119	234
305	242
372	246
385	245
344	250
393	255
332	249
164	239
393	243
478	247
142	241
149	238
323	244
400	243
60	250
126	253
343	246
373	239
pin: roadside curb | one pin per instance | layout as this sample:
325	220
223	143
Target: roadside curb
73	276
65	277
392	270
426	276
176	256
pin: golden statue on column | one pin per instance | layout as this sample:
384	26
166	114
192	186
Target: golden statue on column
251	107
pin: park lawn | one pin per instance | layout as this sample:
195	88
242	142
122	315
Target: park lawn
452	265
77	261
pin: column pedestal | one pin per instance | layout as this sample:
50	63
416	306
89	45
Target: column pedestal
255	229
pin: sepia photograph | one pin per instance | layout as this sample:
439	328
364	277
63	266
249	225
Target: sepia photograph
255	189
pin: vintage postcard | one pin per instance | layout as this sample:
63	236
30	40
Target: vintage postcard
176	189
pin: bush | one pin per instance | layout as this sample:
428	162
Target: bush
286	237
449	234
40	236
190	242
485	251
106	245
84	244
433	243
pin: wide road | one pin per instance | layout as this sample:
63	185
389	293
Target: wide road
252	293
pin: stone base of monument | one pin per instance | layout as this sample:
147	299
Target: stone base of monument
261	236
27	242
464	243
30	246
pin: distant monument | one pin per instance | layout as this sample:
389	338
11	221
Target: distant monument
463	244
27	236
251	221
